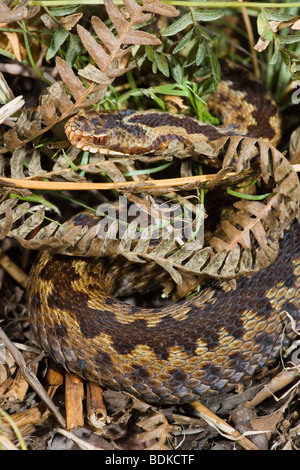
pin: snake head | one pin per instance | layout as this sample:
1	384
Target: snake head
127	132
96	131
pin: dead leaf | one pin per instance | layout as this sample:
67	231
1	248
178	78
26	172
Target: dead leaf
135	10
11	108
107	37
261	44
17	14
296	25
68	22
278	25
155	6
140	37
74	84
93	47
118	20
295	147
14	44
90	72
270	422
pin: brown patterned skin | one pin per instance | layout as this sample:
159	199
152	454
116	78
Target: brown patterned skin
196	347
242	102
176	354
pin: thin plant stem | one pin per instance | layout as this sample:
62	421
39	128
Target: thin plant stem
31	60
250	40
255	5
162	183
184	3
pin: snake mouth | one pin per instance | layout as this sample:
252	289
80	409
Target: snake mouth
88	142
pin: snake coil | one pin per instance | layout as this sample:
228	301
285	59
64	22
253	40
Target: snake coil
198	346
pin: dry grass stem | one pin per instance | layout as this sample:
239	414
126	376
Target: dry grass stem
69	186
223	428
13	269
280	381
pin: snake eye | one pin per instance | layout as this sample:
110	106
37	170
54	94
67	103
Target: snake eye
99	140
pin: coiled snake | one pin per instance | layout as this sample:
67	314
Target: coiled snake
198	346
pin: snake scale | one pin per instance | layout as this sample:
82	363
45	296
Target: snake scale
202	345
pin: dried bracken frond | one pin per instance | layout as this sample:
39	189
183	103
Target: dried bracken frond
110	58
245	244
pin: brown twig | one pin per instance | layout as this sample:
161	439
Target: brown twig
280	381
69	186
82	444
96	409
31	377
224	428
24	420
13	269
74	394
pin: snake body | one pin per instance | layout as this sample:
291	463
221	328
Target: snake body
165	355
198	346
